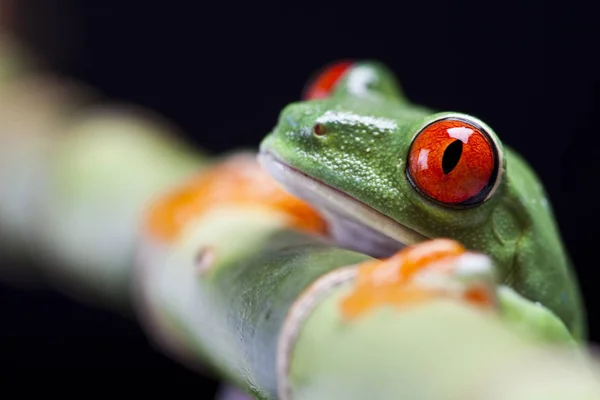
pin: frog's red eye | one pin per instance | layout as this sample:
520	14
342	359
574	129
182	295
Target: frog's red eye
453	162
325	80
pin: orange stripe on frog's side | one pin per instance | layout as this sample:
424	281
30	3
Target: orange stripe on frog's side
390	281
237	180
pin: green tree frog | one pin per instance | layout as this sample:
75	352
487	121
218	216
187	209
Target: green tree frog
387	173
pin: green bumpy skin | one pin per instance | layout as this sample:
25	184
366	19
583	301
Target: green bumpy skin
370	127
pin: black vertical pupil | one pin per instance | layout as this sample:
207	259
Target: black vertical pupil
452	156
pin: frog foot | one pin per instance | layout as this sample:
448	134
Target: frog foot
438	268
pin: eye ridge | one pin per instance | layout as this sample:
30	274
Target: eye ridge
452	156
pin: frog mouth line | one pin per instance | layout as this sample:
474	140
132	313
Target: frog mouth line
353	224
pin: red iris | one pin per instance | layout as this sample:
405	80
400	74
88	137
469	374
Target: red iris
453	162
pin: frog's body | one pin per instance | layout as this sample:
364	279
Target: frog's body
347	153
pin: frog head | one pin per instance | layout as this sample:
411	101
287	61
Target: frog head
385	173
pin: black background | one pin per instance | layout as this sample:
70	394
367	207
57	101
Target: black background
222	71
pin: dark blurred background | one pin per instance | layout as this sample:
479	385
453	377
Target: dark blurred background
223	70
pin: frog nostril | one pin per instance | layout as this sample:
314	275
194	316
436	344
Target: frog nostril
319	130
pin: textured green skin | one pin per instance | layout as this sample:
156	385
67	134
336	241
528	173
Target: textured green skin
515	226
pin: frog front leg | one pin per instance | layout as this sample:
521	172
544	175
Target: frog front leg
442	268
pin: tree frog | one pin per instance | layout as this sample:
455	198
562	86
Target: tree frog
386	173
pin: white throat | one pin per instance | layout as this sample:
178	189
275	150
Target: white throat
352	224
